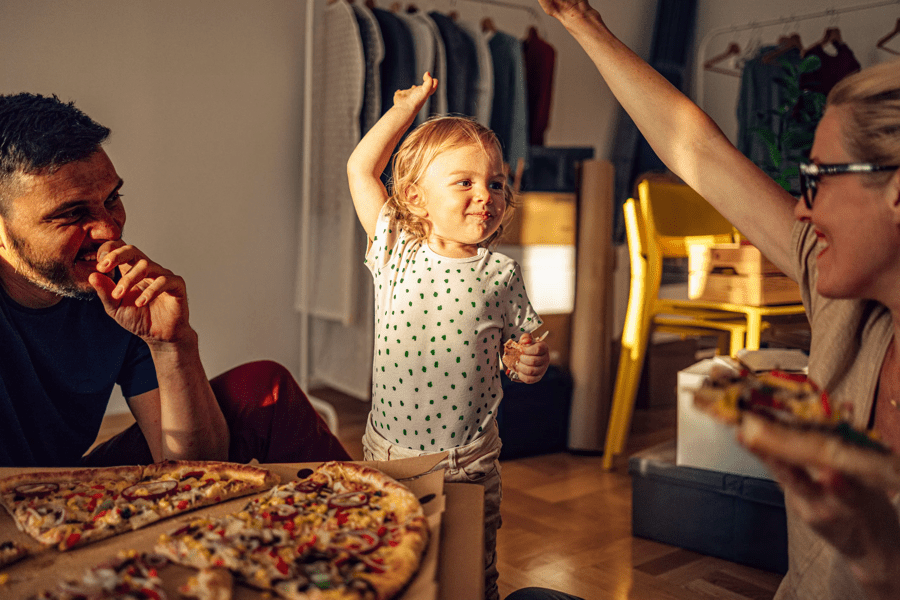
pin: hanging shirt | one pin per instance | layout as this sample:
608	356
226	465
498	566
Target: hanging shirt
760	96
484	86
509	115
540	62
834	68
373	52
462	65
398	69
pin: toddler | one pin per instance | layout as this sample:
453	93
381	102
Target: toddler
444	303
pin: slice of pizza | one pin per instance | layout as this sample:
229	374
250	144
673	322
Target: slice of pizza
131	575
11	552
68	508
788	416
213	583
512	350
173	487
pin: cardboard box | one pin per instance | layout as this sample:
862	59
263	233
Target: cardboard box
737	518
542	218
739	274
701	441
452	568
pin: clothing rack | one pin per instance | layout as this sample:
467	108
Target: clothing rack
832	12
529	9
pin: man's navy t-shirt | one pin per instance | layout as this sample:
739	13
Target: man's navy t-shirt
58	366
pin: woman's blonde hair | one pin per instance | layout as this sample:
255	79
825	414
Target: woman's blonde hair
416	153
872	100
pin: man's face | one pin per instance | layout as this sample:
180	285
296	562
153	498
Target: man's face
50	236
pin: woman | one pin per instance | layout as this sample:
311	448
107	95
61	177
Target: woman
841	242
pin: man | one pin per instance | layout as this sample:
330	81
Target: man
81	310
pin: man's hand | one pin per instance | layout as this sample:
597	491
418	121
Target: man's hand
149	300
413	99
534	360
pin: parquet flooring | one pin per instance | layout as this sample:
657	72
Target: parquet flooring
567	524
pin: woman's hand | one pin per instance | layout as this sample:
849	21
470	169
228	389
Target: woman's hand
559	8
856	517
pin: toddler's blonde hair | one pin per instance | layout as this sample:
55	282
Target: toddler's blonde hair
416	153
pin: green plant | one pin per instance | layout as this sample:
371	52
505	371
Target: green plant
794	124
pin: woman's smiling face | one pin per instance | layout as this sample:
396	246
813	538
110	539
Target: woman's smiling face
859	241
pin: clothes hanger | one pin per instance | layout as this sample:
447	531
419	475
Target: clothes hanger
370	4
412	9
832	36
712	64
487	25
892	34
786	43
395	7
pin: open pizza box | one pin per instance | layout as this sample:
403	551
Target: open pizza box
452	567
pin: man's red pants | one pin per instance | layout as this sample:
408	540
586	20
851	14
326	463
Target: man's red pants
269	419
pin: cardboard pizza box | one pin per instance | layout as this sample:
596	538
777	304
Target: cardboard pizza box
453	559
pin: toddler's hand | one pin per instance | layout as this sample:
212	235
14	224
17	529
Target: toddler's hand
414	98
533	361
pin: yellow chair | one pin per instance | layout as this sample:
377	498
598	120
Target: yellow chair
669	219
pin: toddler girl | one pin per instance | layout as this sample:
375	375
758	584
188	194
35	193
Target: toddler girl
444	303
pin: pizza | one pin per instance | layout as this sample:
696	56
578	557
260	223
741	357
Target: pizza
129	576
211	583
345	532
512	350
75	507
786	415
11	552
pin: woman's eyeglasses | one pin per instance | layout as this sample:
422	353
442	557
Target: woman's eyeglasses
811	172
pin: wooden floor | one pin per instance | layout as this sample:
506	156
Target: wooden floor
567	524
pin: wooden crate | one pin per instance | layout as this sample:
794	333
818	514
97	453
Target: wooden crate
761	289
542	218
739	274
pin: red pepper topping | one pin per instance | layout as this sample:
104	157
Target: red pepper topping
72	539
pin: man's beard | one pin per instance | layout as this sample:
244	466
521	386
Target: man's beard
46	273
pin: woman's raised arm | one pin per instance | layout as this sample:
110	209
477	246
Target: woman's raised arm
684	137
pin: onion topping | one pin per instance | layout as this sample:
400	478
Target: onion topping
359	541
307	487
348	500
283	512
150	490
36	490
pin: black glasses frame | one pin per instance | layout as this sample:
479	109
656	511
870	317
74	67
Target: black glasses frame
811	172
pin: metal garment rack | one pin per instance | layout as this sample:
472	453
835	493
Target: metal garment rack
529	9
761	24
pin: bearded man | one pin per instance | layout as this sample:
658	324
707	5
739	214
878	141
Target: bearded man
81	311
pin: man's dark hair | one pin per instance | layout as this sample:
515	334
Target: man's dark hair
41	133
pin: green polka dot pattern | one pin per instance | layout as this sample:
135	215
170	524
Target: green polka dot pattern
440	324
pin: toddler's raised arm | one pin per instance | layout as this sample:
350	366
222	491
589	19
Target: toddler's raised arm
371	156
